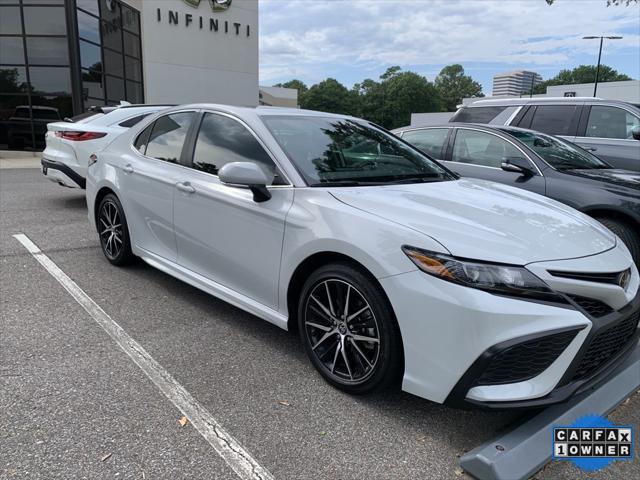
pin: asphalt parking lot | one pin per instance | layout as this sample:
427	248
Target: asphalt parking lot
74	405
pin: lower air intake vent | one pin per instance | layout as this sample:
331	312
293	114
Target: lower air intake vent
593	307
606	345
525	360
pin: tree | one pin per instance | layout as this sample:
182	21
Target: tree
453	85
330	96
370	96
406	93
582	74
298	85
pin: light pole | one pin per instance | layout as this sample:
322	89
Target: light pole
593	37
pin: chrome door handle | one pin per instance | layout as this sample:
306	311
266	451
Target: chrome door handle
185	187
590	149
127	168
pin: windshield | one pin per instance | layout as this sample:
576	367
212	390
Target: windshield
560	155
335	151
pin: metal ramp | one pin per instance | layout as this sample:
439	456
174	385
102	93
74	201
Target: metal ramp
522	451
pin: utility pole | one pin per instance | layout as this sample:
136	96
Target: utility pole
593	37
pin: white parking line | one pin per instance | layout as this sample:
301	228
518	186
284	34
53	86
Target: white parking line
245	466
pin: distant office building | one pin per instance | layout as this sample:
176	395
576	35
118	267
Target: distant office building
514	83
278	97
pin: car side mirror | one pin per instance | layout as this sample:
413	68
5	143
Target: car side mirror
635	132
517	165
247	174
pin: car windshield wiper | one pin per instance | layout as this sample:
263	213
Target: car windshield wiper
427	177
344	183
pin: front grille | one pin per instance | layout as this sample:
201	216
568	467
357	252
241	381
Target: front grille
525	360
610	277
593	307
606	345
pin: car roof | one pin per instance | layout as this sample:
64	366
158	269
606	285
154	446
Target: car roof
477	126
262	110
542	100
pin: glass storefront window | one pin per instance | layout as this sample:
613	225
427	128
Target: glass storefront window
47	51
115	89
35	46
50	80
10	20
44	21
90	6
13	80
131	45
11	50
88	27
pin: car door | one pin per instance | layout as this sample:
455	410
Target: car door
148	183
221	232
431	141
607	133
479	154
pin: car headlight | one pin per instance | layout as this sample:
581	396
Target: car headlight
509	280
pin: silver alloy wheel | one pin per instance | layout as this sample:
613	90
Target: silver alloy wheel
342	330
111	233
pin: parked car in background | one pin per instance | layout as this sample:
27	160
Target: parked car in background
542	164
70	143
382	259
18	126
608	128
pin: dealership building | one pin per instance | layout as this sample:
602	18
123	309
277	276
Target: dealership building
60	57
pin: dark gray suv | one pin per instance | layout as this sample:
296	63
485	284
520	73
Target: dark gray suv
608	128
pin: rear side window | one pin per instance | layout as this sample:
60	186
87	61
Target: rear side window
168	135
222	140
143	139
554	119
431	140
130	122
477	114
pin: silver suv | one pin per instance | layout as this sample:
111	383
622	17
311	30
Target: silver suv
608	128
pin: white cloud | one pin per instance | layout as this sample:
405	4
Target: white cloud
316	35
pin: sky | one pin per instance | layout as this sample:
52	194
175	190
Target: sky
351	40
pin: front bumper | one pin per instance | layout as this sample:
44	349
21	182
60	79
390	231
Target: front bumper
450	333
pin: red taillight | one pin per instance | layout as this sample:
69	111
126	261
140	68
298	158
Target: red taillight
76	136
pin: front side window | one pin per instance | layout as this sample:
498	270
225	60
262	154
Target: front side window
611	122
557	153
554	119
338	151
223	140
430	140
481	148
168	135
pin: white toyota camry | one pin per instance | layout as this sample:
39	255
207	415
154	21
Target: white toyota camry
70	143
392	269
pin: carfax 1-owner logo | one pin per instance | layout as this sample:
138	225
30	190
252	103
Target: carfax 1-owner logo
593	442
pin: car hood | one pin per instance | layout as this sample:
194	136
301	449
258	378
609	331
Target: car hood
484	220
626	178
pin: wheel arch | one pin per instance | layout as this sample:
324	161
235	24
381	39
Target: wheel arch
100	194
310	264
612	213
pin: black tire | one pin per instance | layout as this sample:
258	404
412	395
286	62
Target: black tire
371	365
113	231
627	233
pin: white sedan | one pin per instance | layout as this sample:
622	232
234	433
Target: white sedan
70	143
392	269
